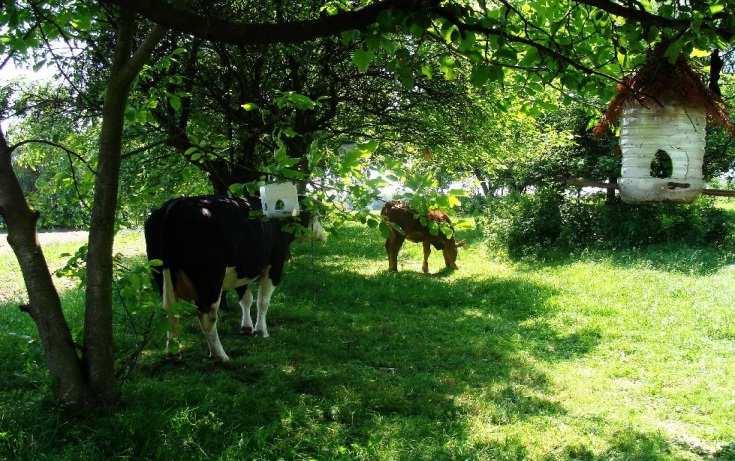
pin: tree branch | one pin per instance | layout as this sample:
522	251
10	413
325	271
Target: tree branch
142	149
211	28
54	144
76	183
131	69
542	49
644	17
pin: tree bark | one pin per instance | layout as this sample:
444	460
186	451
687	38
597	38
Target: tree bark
44	304
212	28
483	182
98	354
715	70
610	193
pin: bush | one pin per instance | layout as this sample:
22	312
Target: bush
550	220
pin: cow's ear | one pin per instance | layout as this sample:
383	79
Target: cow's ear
460	243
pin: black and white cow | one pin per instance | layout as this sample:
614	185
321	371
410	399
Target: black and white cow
209	244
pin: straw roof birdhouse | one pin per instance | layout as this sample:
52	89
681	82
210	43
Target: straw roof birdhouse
663	110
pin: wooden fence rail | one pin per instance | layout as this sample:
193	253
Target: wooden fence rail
579	182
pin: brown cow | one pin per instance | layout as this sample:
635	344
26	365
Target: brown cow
403	218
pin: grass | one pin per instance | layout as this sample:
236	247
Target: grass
607	356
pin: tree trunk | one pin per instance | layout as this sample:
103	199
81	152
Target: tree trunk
483	182
90	380
220	186
44	303
98	355
715	70
610	197
98	343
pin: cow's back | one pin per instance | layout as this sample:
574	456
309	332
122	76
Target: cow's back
195	230
202	235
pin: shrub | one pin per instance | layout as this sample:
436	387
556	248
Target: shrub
550	220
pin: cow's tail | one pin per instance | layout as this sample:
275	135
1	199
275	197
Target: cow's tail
153	230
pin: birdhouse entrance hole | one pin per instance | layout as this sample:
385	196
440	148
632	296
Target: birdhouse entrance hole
279	200
662	166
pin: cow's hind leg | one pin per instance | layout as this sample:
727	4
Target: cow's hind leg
427	253
208	321
169	298
246	300
265	291
393	245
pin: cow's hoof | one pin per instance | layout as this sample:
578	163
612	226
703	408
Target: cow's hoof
263	334
247	331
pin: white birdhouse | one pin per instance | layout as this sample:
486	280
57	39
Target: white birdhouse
663	108
663	150
279	200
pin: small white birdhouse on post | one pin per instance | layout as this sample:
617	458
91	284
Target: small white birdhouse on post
663	111
279	200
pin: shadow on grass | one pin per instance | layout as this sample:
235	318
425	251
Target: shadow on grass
392	354
392	366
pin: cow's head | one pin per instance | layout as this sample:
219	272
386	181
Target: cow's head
450	252
311	226
315	228
309	218
305	226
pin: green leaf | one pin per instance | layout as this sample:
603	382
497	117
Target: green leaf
673	51
622	58
295	100
481	73
426	71
716	8
362	59
697	53
384	229
446	66
389	46
349	36
155	263
467	43
447	32
313	157
405	76
248	106
175	101
289	132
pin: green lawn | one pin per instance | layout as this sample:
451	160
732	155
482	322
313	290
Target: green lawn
605	356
